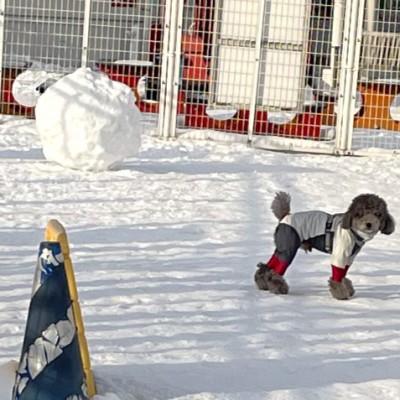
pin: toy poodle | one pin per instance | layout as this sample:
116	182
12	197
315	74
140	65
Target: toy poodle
341	235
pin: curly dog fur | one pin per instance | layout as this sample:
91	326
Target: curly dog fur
341	235
369	212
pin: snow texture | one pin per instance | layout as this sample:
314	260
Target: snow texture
165	248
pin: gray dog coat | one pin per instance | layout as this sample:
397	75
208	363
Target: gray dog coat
318	230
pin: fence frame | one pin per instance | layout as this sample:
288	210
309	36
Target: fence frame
352	22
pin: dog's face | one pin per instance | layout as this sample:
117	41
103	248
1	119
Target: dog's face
367	215
367	221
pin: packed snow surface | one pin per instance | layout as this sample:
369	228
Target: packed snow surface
165	248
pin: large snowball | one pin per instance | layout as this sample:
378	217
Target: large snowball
87	121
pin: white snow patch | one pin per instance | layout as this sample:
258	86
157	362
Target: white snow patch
87	121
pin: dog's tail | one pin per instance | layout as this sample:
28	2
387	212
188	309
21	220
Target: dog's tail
280	205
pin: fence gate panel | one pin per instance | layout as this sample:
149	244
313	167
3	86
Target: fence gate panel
125	41
377	125
49	38
38	35
234	52
43	31
258	67
281	56
284	52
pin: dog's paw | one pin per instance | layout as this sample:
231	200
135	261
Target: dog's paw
260	277
267	279
349	285
339	290
277	284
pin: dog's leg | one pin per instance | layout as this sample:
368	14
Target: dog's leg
267	279
270	275
339	290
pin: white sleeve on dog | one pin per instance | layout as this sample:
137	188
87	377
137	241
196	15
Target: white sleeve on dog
343	245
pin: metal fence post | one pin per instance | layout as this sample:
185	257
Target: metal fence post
2	22
162	110
256	72
170	69
86	32
352	35
176	84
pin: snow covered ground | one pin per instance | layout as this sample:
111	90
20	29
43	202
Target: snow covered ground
164	250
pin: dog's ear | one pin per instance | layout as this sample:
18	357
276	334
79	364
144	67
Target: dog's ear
352	210
347	220
388	225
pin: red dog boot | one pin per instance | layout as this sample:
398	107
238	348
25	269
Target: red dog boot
337	284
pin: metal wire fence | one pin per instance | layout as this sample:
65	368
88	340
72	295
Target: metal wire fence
309	75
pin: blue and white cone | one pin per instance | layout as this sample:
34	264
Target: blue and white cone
50	367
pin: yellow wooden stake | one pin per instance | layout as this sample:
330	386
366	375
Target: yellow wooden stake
55	232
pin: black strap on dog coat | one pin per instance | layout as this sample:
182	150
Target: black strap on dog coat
329	234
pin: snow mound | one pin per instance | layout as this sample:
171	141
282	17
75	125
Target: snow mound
87	121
